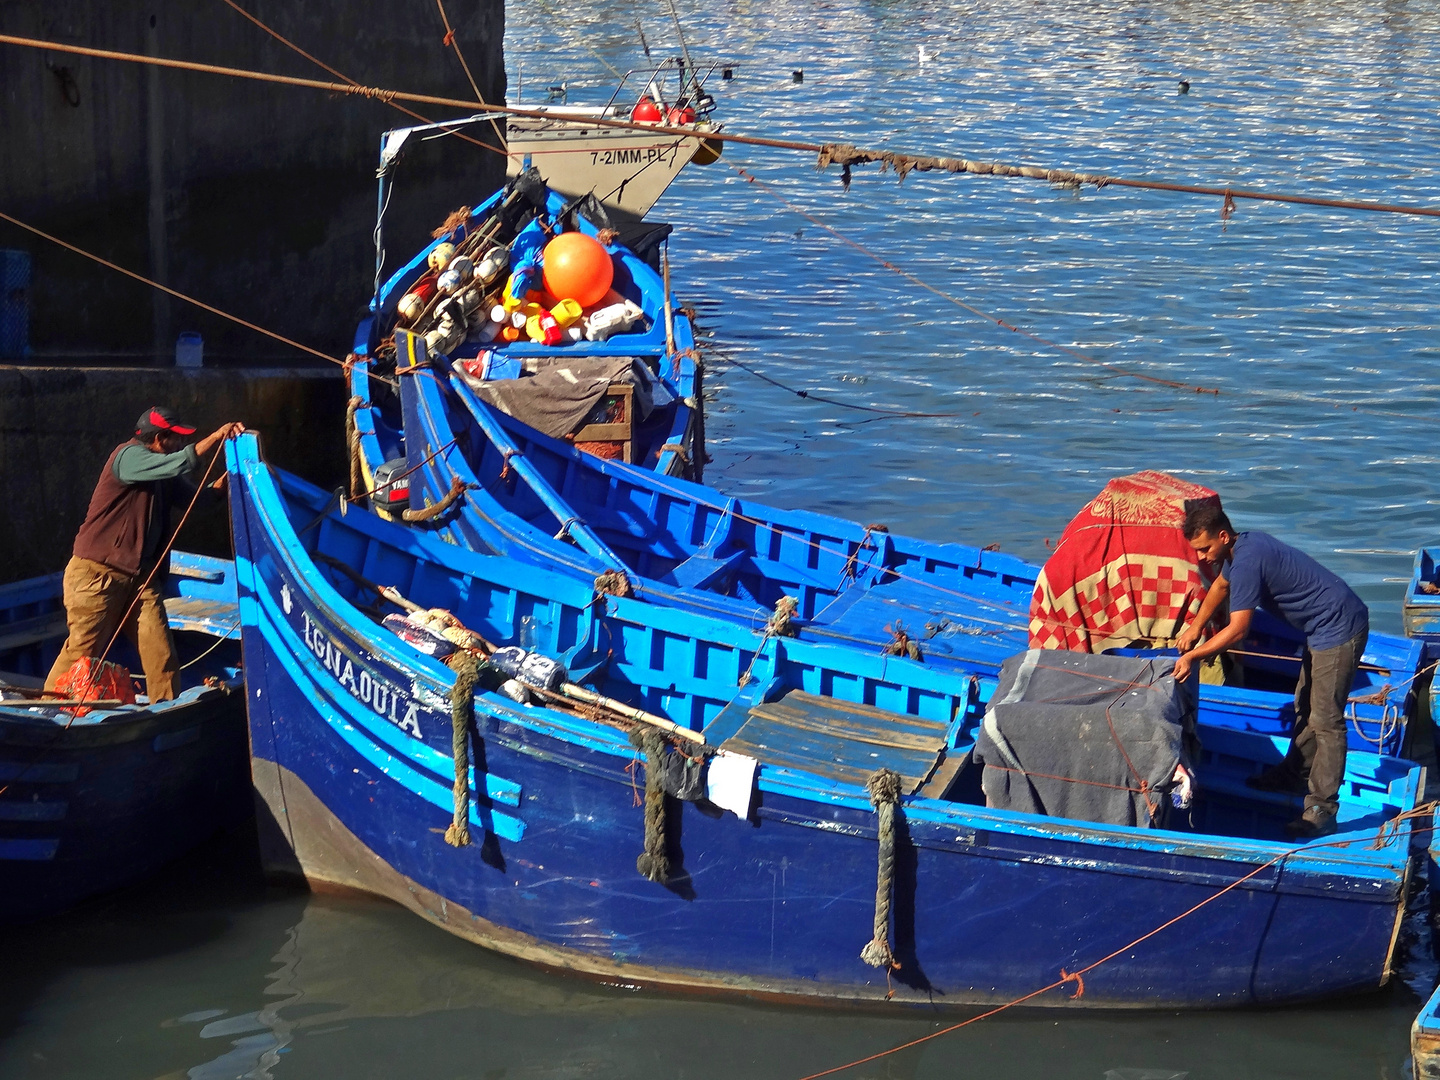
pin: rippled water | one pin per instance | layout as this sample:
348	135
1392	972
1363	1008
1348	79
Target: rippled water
1298	316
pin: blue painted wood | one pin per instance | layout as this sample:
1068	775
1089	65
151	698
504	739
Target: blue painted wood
95	802
989	904
684	545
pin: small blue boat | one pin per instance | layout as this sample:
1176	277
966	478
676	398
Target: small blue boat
354	755
681	544
1422	601
90	803
520	216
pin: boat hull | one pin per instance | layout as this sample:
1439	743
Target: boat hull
627	170
351	741
94	808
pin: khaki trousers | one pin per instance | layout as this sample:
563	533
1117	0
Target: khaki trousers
96	598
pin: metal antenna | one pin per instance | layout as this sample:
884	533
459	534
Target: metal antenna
681	34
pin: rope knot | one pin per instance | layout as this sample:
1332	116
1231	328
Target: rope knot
613	583
780	624
900	643
1077	979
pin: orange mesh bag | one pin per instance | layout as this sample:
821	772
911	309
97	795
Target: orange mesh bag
90	679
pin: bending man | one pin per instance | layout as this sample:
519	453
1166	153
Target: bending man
1256	570
123	540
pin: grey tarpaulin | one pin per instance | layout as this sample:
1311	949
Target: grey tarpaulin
1047	746
556	394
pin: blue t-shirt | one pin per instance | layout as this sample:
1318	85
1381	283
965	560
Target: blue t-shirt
1265	573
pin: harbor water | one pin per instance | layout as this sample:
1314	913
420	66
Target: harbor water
1303	342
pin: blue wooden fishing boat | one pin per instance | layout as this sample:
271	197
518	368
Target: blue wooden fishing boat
681	544
520	217
354	753
93	802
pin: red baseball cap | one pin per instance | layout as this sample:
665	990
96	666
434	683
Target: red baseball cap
157	418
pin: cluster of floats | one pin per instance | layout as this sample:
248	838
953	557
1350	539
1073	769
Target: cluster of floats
667	771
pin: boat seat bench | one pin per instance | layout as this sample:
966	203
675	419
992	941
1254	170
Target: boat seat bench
841	740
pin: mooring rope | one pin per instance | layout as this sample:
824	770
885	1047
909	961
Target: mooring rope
1384	834
345	78
884	790
434	510
175	293
653	862
462	716
828	150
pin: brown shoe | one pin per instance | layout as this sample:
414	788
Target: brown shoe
1313	824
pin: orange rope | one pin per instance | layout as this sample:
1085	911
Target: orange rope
388	96
1077	977
166	289
345	78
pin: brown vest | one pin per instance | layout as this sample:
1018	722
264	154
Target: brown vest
119	515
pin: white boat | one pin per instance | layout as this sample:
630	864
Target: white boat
627	170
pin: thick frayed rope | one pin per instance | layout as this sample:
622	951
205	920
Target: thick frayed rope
653	863
462	714
884	789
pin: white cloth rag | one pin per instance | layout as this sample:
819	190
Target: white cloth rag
730	782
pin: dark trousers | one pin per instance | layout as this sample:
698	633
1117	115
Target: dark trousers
1317	749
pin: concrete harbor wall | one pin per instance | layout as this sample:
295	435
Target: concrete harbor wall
257	198
58	426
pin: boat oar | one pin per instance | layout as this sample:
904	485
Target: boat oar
575	692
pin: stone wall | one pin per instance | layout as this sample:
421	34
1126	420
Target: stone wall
259	199
58	426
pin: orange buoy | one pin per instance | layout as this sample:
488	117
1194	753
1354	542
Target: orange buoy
680	117
577	267
646	110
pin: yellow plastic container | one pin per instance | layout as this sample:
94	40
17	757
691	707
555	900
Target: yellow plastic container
567	312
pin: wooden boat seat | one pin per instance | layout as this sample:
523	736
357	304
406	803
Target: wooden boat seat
843	741
704	571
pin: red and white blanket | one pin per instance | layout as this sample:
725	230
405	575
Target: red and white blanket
1123	572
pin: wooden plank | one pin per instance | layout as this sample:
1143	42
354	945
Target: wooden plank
861	727
866	722
941	779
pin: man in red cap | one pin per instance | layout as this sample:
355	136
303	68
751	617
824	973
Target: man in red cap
121	543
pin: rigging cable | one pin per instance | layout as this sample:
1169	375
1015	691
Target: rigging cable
826	152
